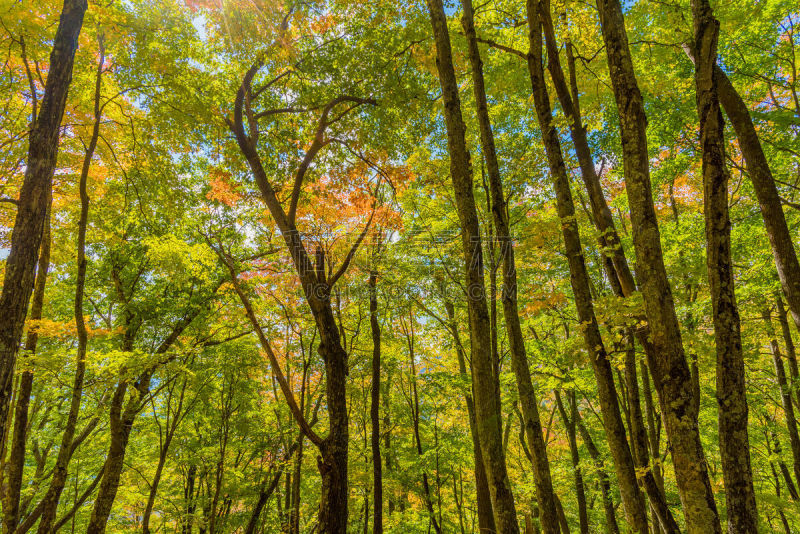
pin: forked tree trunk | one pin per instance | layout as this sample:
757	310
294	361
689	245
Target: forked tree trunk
731	394
487	409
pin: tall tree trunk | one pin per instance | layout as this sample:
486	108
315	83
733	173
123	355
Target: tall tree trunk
632	499
640	445
731	394
527	395
670	370
332	461
482	494
34	198
375	405
487	410
16	462
171	428
297	476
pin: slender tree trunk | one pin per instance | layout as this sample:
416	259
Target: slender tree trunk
616	265
151	498
263	497
414	407
487	410
605	484
786	396
640	445
785	473
375	399
483	496
16	462
34	198
632	499
580	494
670	370
527	395
780	237
562	517
171	428
731	393
190	499
297	475
791	354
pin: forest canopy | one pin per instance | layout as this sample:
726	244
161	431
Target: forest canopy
329	266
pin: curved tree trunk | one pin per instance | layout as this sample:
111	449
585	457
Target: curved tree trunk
50	501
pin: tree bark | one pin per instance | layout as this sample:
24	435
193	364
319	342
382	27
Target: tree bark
670	370
487	410
788	343
34	198
731	393
632	499
527	394
616	265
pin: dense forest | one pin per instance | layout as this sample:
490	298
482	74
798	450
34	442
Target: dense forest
330	266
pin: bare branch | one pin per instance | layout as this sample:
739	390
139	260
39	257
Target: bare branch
318	143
